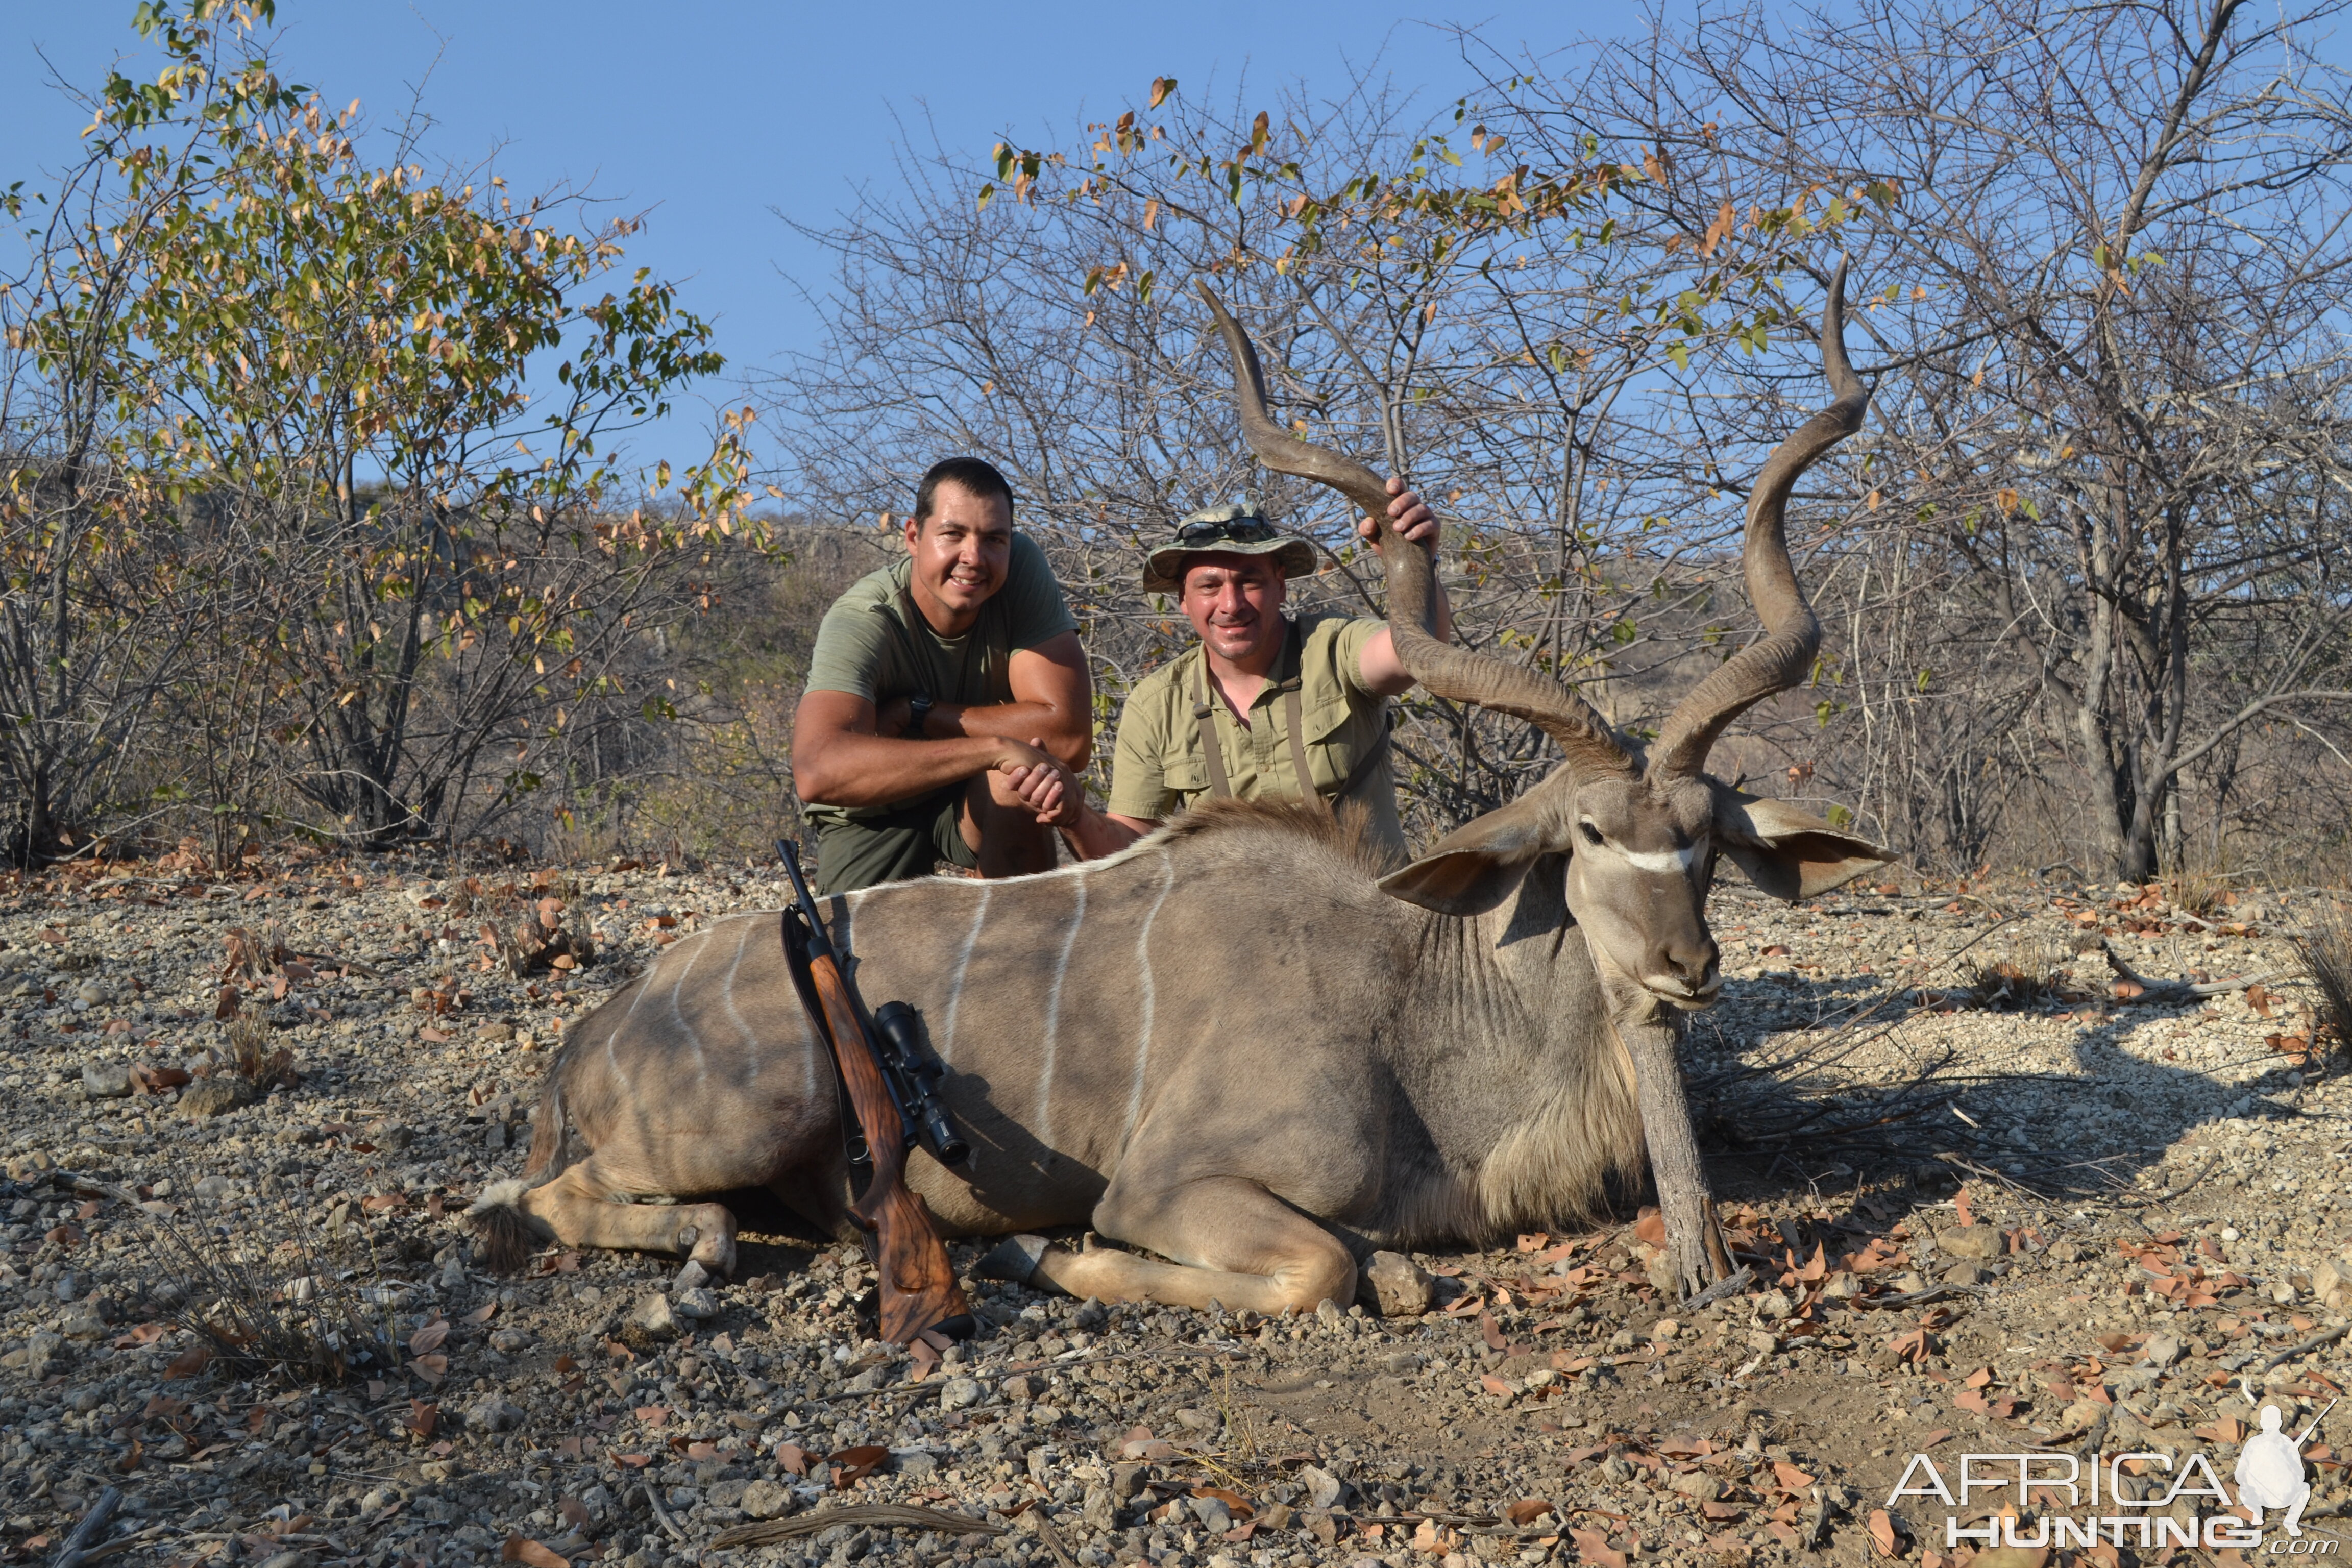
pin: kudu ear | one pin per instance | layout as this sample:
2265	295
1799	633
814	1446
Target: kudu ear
1480	863
1787	851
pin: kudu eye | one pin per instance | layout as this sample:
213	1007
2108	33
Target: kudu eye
1592	835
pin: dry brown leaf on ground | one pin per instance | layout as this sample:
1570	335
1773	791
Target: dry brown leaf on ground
852	1466
520	1549
1238	1504
1595	1548
1881	1534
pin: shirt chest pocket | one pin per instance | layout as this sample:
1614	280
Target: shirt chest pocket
1335	734
1185	774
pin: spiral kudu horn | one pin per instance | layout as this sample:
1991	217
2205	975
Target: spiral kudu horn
1449	671
1785	654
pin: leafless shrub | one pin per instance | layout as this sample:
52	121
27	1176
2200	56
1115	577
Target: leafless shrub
254	1057
2324	946
269	1294
2198	891
2026	976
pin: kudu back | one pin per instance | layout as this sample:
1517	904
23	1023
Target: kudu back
1235	1045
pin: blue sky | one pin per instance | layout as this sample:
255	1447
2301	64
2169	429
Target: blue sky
716	115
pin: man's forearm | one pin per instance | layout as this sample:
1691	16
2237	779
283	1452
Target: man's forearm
1096	833
853	770
1069	737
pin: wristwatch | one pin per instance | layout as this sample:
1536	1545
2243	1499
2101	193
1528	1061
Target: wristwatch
918	708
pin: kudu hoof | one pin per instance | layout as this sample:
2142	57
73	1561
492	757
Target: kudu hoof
1014	1258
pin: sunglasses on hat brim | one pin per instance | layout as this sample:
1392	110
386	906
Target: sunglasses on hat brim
1239	529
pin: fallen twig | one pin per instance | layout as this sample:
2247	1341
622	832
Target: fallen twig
1916	1298
1730	1285
1977	1168
1477	1524
2174	990
76	1550
2316	1341
126	1542
1050	1536
662	1514
1068	1358
880	1515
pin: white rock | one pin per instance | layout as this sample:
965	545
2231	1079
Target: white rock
766	1499
1397	1286
654	1317
106	1080
492	1413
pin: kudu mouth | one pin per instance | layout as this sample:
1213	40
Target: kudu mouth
1685	997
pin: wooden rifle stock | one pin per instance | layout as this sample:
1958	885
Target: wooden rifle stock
919	1289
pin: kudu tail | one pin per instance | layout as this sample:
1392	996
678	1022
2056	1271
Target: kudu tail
550	1137
506	1236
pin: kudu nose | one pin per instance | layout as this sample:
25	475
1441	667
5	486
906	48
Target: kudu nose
1687	965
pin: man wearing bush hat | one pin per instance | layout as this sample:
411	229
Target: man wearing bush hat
1262	701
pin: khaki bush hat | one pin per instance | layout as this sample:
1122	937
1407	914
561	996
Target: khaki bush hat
1224	531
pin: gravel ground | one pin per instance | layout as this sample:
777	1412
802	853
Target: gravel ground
2063	1218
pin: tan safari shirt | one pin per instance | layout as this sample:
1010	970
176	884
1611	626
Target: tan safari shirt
1158	769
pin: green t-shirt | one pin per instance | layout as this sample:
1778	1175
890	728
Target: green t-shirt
874	643
1158	767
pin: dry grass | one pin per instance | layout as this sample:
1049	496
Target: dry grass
2198	891
2027	976
268	1293
2324	947
252	1056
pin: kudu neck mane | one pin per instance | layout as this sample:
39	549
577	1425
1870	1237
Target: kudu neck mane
1343	836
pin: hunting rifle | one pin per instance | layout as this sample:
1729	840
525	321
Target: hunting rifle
919	1290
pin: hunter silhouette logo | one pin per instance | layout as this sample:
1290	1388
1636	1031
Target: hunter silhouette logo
2270	1469
2270	1476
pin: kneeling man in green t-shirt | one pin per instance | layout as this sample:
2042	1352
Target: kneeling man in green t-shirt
935	684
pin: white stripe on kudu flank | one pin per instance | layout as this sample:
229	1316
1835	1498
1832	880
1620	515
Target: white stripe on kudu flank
1054	1018
955	986
726	1000
810	1047
701	1067
611	1062
1143	967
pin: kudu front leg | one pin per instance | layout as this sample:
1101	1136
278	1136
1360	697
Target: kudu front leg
576	1209
1695	1247
1236	1246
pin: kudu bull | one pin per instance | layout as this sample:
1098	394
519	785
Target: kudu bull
1233	1045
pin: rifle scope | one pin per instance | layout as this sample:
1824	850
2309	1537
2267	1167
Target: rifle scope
919	1077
